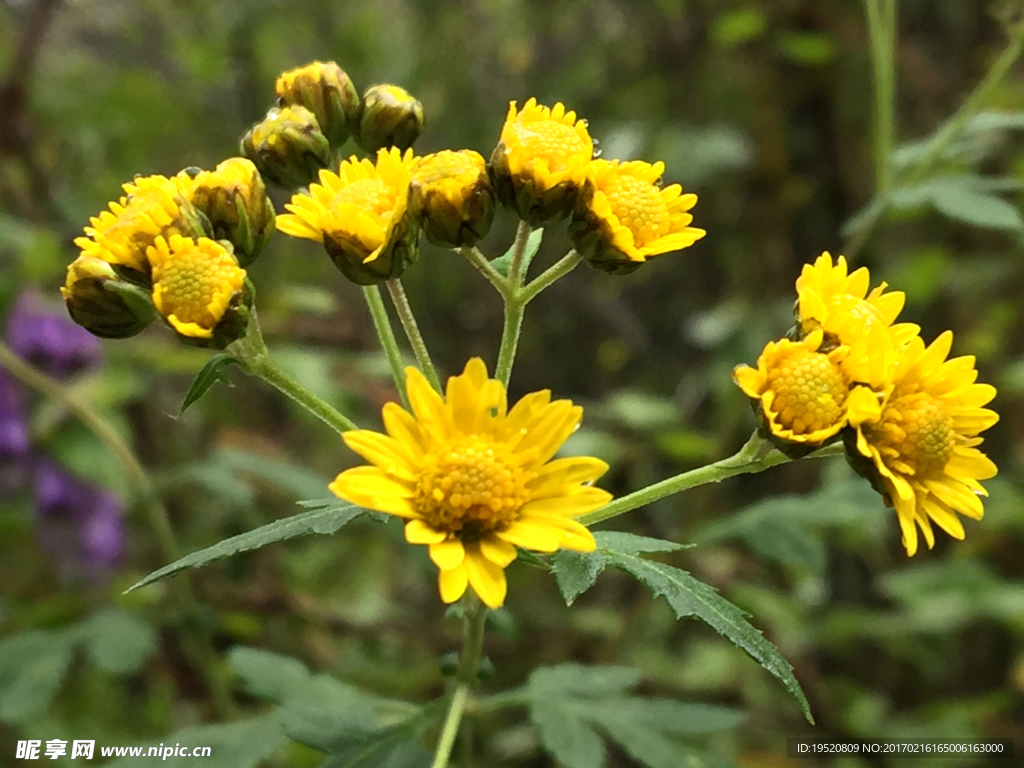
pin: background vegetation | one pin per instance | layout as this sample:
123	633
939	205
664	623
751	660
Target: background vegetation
764	109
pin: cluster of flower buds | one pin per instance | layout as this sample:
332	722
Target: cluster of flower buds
908	417
174	248
317	110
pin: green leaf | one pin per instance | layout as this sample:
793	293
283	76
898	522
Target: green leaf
32	666
504	262
690	597
240	744
573	680
212	373
567	736
977	208
118	641
323	521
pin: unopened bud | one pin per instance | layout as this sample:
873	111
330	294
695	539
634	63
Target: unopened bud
325	90
235	201
288	147
450	197
388	117
102	303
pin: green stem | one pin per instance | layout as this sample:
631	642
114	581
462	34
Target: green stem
202	651
882	37
478	260
412	332
473	622
979	96
386	334
252	354
559	269
514	307
756	455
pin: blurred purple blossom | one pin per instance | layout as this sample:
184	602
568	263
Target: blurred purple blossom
14	438
80	526
46	337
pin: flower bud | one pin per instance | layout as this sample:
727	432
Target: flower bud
388	117
235	201
541	162
103	304
199	289
450	197
325	90
287	147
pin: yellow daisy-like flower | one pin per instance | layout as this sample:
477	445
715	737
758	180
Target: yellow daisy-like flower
541	161
802	392
359	214
475	480
450	197
194	281
840	304
153	206
922	438
623	217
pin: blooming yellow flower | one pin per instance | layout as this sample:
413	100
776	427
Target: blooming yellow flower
541	161
359	214
475	480
450	197
624	217
802	392
840	304
234	199
922	435
153	206
194	281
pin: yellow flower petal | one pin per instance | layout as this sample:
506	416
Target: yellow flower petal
452	584
447	554
487	579
373	488
418	532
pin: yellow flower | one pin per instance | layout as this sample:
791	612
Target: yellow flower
451	199
359	214
802	392
324	89
194	282
234	199
541	161
153	206
475	480
623	217
840	304
922	438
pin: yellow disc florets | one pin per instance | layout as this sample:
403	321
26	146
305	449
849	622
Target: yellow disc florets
810	391
915	436
193	282
471	489
638	206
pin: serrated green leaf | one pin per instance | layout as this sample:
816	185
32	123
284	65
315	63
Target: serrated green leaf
650	747
567	736
631	543
319	521
392	748
240	744
213	372
504	262
32	666
118	641
690	597
575	680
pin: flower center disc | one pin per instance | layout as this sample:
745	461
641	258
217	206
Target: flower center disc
192	278
471	489
554	143
371	194
920	431
638	207
810	391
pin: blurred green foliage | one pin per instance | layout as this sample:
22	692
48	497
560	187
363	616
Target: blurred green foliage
763	109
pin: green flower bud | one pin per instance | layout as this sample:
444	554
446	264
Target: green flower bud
235	201
325	90
288	147
103	304
388	117
450	197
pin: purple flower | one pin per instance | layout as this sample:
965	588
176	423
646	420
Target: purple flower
80	526
14	440
47	338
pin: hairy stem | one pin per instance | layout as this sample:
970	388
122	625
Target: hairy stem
386	334
412	332
514	307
